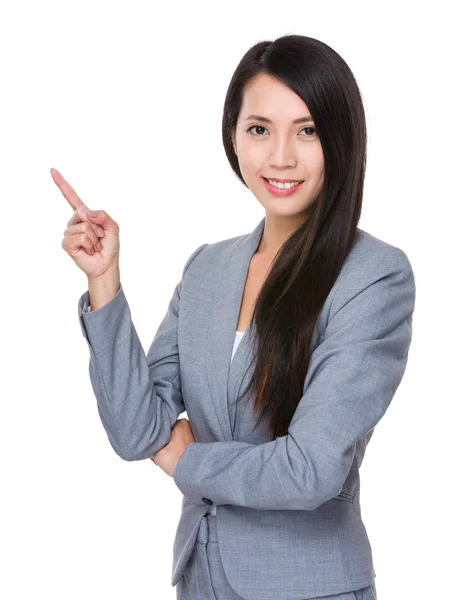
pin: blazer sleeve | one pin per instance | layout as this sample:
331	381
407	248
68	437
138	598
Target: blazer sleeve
138	397
352	377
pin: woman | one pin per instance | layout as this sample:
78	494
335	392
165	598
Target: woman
318	308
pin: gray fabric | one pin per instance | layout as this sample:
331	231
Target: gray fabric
288	510
204	576
238	338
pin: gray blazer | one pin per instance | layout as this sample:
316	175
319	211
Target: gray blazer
288	510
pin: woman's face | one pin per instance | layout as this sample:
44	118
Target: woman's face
280	149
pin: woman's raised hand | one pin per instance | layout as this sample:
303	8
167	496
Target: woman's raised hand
84	233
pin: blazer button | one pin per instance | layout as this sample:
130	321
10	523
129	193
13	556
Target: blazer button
207	501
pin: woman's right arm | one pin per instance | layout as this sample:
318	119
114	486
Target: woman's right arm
139	397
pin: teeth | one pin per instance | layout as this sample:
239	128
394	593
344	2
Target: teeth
282	186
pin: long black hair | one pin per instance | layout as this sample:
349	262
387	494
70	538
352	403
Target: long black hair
308	263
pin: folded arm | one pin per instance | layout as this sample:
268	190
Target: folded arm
352	377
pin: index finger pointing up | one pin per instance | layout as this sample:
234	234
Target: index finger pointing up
66	189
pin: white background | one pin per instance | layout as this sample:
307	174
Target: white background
125	100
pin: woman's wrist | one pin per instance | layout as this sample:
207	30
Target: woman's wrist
103	288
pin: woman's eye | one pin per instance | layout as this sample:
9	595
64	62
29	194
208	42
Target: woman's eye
261	127
256	126
312	129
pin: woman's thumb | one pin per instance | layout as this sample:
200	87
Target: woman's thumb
102	218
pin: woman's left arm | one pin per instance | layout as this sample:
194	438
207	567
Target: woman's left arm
352	376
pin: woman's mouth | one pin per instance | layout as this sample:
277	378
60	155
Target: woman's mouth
282	191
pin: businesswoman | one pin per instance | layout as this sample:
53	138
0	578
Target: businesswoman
284	345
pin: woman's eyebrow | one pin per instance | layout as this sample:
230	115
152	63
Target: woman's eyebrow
306	119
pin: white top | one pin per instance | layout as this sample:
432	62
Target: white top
237	339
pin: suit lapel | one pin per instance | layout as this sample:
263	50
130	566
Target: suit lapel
224	377
239	372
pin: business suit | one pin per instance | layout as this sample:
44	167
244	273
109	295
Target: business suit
288	510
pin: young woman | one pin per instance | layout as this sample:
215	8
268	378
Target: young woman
308	318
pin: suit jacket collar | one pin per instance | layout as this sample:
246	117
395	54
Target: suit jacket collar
225	378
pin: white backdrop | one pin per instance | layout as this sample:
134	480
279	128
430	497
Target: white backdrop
125	100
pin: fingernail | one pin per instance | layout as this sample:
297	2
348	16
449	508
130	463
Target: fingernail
91	213
100	231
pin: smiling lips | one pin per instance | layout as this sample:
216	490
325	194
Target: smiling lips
282	191
282	180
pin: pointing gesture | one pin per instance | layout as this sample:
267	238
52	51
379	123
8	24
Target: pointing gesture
91	240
